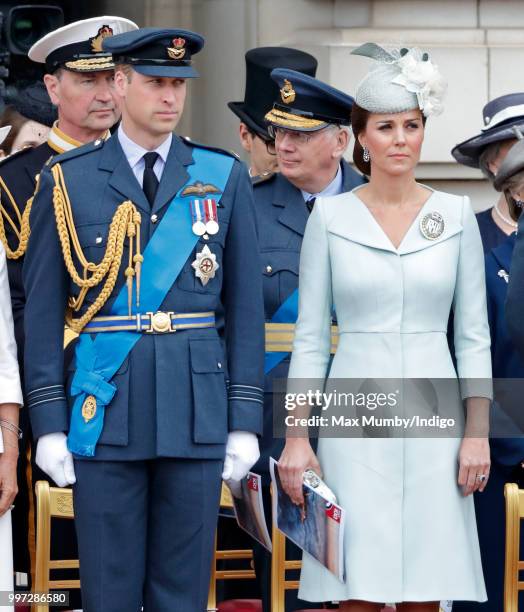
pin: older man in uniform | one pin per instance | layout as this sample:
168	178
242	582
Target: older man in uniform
79	81
152	236
260	93
309	121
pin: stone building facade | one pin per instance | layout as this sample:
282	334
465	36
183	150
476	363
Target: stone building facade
478	45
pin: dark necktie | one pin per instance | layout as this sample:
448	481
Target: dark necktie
150	183
310	203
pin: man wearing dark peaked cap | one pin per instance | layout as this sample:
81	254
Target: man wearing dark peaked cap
309	120
260	93
77	103
153	235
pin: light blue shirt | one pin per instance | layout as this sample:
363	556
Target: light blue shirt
135	155
334	188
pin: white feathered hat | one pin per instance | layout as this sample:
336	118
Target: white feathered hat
402	79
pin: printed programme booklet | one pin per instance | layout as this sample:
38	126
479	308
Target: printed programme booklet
249	508
317	527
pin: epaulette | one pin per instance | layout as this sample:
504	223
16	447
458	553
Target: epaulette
15	155
192	143
78	151
262	178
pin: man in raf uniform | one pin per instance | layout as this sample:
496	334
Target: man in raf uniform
309	121
79	83
260	93
152	235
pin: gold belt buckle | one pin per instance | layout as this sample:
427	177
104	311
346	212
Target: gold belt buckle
160	322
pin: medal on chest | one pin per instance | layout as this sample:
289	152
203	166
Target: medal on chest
204	217
205	265
197	217
432	225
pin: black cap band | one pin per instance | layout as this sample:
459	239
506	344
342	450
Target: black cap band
137	61
72	52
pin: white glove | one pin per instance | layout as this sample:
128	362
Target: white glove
242	453
53	457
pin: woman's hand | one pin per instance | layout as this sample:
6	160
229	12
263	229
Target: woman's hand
474	462
296	458
8	486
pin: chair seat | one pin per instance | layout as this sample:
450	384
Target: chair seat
240	605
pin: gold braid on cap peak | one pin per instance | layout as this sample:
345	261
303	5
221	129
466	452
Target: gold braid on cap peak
290	120
125	223
92	64
20	226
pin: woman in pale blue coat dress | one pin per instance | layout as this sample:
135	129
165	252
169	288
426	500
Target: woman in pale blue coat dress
392	258
10	402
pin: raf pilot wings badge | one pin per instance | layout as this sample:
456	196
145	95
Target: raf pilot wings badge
200	189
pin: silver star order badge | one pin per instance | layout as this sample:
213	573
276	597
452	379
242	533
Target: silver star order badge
205	265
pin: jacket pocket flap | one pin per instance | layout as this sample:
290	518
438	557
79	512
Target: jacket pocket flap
277	261
93	234
206	356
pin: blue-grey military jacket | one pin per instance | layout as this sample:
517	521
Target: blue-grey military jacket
178	394
281	220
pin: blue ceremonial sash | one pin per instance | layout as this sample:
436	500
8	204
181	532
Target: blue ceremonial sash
287	312
98	360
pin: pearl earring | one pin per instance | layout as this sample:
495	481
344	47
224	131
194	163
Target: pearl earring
365	155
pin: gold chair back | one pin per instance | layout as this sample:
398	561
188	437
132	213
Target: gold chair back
227	555
51	502
514	513
279	566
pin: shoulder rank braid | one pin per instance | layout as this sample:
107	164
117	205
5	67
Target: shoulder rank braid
125	223
20	226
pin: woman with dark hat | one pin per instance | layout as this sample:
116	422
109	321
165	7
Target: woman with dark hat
31	115
393	257
486	151
507	453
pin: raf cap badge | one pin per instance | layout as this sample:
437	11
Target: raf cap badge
432	225
205	265
287	93
177	51
96	42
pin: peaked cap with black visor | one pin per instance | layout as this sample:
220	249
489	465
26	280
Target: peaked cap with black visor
261	90
157	52
78	47
306	104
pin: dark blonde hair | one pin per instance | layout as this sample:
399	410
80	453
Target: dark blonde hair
127	69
